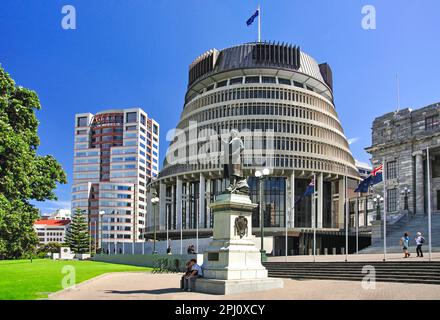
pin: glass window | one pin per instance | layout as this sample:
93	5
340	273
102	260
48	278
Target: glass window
131	117
298	84
392	170
236	81
432	123
254	79
143	119
392	200
82	122
222	84
435	165
284	81
269	80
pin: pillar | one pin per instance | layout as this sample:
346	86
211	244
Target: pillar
208	201
173	206
341	210
202	199
188	204
292	200
420	184
162	206
150	213
179	203
320	200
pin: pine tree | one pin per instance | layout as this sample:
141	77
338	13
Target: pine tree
77	237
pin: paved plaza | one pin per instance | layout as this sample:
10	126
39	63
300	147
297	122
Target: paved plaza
148	286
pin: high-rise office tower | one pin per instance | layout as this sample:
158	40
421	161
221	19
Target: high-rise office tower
116	154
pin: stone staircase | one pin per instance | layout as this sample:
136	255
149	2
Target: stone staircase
404	272
412	225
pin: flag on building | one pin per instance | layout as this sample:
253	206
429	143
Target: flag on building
253	17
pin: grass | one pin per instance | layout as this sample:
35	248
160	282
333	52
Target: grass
23	280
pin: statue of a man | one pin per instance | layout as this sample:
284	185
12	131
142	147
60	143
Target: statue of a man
233	164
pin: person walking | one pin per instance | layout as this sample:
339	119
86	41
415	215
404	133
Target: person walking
419	241
404	242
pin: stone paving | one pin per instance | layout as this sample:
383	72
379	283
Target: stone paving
148	286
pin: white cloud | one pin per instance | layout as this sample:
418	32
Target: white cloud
353	140
51	206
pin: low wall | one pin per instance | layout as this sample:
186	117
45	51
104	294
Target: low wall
149	260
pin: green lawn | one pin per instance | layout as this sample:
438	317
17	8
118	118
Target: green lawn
23	280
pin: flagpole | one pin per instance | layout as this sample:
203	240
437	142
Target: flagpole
259	23
347	218
384	178
314	217
428	167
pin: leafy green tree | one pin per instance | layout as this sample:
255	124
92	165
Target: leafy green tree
24	175
77	238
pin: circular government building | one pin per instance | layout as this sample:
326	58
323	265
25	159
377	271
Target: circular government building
281	102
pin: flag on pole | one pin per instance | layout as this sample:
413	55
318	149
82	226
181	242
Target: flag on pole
376	175
310	188
364	185
253	17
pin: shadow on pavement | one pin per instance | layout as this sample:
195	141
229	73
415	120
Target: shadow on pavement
155	291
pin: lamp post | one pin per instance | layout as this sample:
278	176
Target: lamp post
378	200
405	192
260	175
154	201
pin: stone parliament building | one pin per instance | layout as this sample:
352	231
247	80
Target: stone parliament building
402	138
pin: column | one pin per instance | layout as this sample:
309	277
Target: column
341	210
150	213
179	202
292	201
208	201
188	204
420	183
162	206
173	205
202	197
320	200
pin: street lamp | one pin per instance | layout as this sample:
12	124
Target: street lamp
405	192
260	175
154	201
378	200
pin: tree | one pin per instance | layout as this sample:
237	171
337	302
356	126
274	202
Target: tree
24	175
77	237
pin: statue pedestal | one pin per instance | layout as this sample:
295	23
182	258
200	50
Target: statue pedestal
232	263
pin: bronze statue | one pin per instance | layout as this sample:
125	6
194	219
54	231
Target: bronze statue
233	164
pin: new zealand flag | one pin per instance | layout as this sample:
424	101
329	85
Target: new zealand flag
251	19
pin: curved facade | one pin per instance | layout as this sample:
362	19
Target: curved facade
281	101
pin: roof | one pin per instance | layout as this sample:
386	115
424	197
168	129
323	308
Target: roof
52	222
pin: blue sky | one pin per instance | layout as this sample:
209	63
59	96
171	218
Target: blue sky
136	53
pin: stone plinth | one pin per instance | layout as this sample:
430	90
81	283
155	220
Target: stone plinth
232	263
